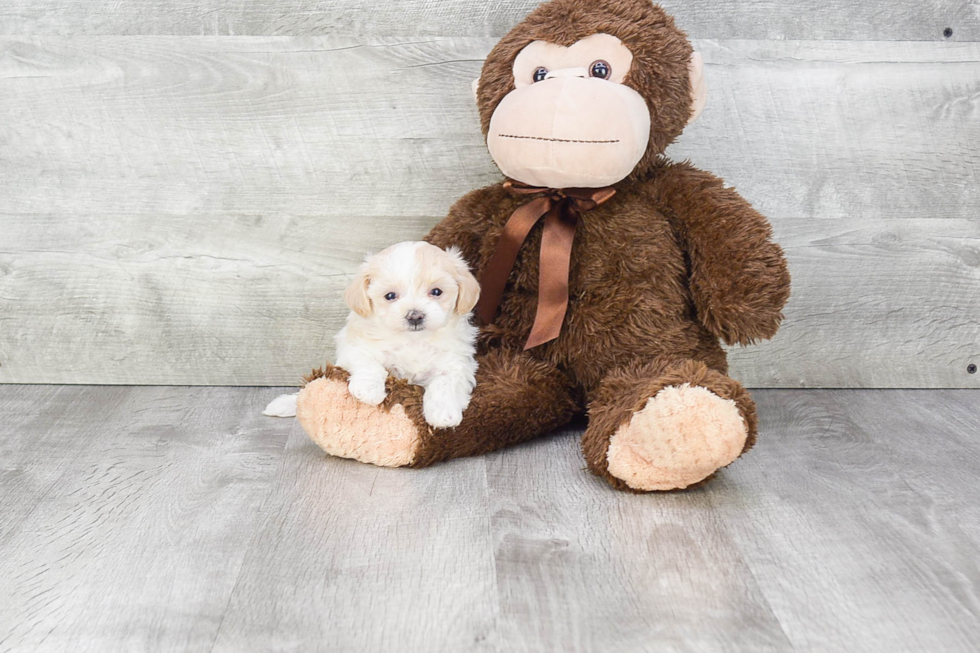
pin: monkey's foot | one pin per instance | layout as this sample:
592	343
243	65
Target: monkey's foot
388	435
683	435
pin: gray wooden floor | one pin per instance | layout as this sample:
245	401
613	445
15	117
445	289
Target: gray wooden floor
165	518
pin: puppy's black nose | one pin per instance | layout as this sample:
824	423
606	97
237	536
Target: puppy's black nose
415	318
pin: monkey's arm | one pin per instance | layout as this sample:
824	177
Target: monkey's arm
739	279
465	226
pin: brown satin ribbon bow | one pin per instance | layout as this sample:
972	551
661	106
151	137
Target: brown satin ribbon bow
560	208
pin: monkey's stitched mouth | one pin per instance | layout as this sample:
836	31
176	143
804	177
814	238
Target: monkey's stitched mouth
553	140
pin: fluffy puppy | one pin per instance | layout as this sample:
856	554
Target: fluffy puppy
410	316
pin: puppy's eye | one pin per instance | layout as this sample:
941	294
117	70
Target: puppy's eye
540	74
435	292
391	297
600	69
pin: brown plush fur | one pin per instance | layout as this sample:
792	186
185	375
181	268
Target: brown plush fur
625	392
673	262
514	389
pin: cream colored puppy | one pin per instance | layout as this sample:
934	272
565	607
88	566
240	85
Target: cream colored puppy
410	316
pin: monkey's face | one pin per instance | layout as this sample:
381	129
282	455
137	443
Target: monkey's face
570	121
586	93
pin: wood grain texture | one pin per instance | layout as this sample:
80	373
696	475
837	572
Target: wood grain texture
251	301
351	557
186	210
157	519
137	502
583	568
337	127
858	518
762	19
876	303
33	455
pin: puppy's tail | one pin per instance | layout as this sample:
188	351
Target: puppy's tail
282	406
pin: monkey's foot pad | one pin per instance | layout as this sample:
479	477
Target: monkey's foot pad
343	426
682	435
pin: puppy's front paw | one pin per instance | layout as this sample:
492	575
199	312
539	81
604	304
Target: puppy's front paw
441	411
367	390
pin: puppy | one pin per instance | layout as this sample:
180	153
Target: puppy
410	316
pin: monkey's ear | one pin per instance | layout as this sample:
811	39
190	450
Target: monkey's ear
476	87
699	88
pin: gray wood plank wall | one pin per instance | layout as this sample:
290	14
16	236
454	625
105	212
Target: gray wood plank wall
911	20
185	209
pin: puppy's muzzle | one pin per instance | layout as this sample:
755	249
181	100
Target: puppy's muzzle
415	320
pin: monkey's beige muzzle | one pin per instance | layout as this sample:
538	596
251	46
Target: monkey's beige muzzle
569	130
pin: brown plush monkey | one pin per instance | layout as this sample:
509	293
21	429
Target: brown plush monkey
609	273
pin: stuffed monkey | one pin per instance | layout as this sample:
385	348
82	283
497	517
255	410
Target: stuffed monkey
609	273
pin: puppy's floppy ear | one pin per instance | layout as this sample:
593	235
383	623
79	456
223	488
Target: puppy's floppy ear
469	287
356	294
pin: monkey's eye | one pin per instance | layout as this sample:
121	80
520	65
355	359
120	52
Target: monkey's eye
391	297
435	292
600	69
540	74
